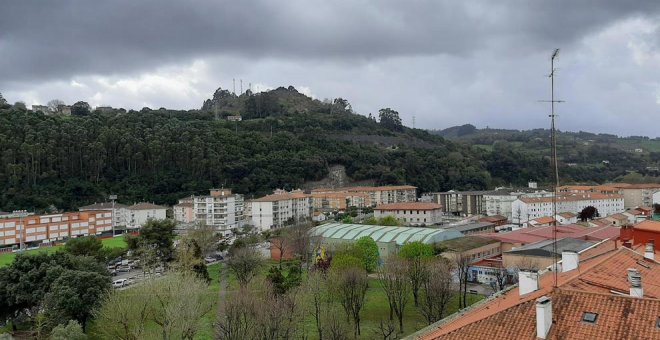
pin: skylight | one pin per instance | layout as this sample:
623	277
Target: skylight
589	317
657	323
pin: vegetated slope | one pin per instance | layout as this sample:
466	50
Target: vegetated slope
285	140
584	156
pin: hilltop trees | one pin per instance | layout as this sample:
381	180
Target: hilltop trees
81	109
390	119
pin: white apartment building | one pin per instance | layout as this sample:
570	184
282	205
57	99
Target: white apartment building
529	208
140	213
281	208
412	213
220	209
500	203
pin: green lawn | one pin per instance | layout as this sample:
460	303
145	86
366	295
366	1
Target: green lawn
7	258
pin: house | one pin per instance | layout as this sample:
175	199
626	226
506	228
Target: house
641	233
412	213
388	239
472	228
140	213
567	218
497	220
618	220
221	209
607	295
280	208
544	221
120	213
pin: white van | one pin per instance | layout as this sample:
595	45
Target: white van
120	283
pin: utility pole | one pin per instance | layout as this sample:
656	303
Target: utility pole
241	86
113	198
233	80
21	230
413	122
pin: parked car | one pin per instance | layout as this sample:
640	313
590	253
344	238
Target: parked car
120	283
209	259
124	269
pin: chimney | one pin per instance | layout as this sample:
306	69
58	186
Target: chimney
569	260
543	316
627	244
649	251
635	280
528	281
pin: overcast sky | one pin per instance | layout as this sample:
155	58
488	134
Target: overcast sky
444	62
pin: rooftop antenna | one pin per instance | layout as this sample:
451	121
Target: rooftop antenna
555	170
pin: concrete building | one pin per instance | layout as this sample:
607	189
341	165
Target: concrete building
33	230
472	228
499	202
43	108
462	203
541	254
413	213
474	247
221	209
378	195
388	239
518	238
333	201
280	209
183	211
121	214
566	218
140	213
637	195
526	209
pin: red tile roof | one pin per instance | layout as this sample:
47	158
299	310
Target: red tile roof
409	206
535	234
648	225
543	220
494	218
568	214
145	206
282	197
511	316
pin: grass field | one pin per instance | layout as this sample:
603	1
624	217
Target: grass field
7	258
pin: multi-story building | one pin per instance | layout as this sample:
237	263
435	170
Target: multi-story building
120	213
529	208
637	195
183	211
339	200
281	208
33	230
499	202
412	213
221	209
377	195
140	213
462	203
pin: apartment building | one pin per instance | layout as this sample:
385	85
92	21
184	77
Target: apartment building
121	214
462	203
500	202
529	208
280	208
221	209
637	195
33	230
329	201
183	211
140	213
412	213
376	195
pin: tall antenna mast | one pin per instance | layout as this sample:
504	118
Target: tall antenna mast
241	86
234	82
413	121
555	171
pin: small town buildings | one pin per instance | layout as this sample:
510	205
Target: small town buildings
280	208
499	202
388	239
322	200
378	195
184	211
544	221
221	209
641	233
566	218
34	230
524	236
636	195
43	108
526	209
475	248
121	214
412	213
618	220
497	220
140	213
462	203
542	254
472	228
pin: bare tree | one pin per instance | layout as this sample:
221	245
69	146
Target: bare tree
386	329
462	263
54	105
278	316
350	286
417	272
436	290
237	318
245	264
301	243
525	263
318	300
501	278
205	236
281	244
394	276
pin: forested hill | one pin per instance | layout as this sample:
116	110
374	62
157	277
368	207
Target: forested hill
285	139
584	156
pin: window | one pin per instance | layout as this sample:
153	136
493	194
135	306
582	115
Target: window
589	317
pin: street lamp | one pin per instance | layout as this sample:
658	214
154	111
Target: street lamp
21	214
112	220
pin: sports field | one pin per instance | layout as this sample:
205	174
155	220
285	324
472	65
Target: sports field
7	258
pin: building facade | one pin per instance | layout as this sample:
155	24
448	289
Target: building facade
140	213
330	201
280	209
183	211
221	209
121	214
526	209
376	195
413	213
33	230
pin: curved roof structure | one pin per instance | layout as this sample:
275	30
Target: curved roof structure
379	233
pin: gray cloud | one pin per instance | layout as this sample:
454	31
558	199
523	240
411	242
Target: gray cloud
446	62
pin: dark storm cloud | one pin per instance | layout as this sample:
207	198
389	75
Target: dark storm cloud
42	40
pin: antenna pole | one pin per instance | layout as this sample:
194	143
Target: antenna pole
234	82
555	184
